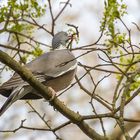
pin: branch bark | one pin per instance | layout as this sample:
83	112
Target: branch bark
47	93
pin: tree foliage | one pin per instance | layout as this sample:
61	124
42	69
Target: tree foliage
20	20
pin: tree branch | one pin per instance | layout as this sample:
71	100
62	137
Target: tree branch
48	93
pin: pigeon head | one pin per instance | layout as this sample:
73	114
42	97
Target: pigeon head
59	39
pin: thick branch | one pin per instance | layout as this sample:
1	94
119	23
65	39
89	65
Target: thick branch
47	93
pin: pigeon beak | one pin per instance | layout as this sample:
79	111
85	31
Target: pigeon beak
69	38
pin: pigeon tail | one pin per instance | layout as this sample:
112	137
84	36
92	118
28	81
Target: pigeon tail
15	95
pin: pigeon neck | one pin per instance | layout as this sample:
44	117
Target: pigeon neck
61	47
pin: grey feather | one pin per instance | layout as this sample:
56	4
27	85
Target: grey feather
56	41
52	64
12	98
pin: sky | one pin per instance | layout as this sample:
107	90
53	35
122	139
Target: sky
85	14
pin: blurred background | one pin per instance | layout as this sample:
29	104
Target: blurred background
86	14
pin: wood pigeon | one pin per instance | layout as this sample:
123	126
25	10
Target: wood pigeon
55	69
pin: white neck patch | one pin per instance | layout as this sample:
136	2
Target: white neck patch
63	72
